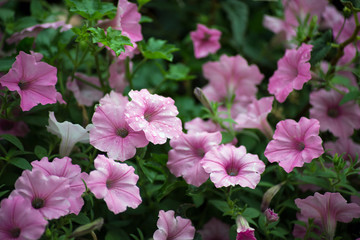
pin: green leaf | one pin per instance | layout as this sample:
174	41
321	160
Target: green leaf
6	63
352	4
92	9
251	213
157	49
2	193
321	47
221	205
142	3
6	15
14	140
81	219
237	13
340	80
352	95
21	163
117	234
37	9
226	137
112	38
40	151
145	19
179	72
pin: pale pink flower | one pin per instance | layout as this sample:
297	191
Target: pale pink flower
255	116
69	133
244	231
16	128
85	94
48	194
205	40
295	143
153	114
215	229
33	31
270	215
229	76
117	78
111	133
115	183
173	228
329	209
229	165
62	167
34	81
344	146
199	125
282	27
341	120
293	71
187	153
19	220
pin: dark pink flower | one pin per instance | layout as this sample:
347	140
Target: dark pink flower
329	209
173	228
34	81
244	231
115	183
295	143
153	114
215	229
16	128
19	220
187	153
205	40
229	165
293	71
111	133
341	120
62	167
270	215
48	194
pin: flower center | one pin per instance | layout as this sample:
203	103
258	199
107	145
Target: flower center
232	171
333	112
300	146
38	203
206	37
23	85
122	132
147	117
15	232
200	152
109	184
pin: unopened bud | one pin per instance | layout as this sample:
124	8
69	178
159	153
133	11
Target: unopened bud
199	94
270	215
88	228
268	196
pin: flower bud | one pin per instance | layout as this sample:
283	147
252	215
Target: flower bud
199	94
88	228
269	194
270	215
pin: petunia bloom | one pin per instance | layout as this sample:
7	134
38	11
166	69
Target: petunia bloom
295	143
244	231
115	183
62	167
173	228
117	71
205	40
111	133
341	120
69	133
19	220
293	71
344	146
215	229
199	125
153	114
329	209
187	153
33	80
229	165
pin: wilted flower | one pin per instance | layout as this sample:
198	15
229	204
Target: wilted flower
205	40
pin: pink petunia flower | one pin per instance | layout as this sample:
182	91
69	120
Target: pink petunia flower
255	116
341	120
215	229
19	220
62	167
48	194
69	133
329	209
153	114
117	78
34	81
270	215
16	128
300	231
344	146
173	228
293	71
111	133
199	125
244	231
85	95
295	143
115	183
205	40
187	153
229	165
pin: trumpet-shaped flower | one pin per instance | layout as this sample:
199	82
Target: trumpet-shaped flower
111	133
62	167
229	165
48	194
19	220
69	133
244	231
293	71
215	229
295	143
33	80
115	183
173	228
329	209
187	153
341	120
205	40
153	114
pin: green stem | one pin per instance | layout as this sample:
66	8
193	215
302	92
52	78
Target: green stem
97	64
